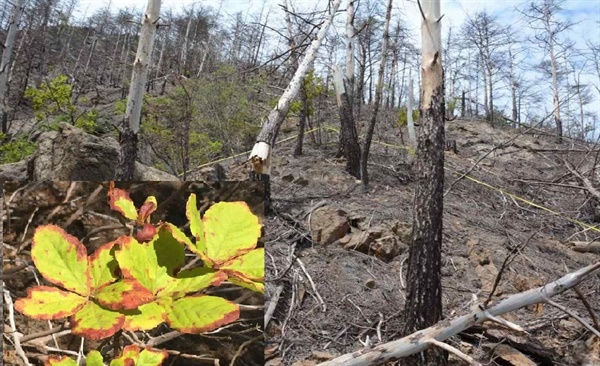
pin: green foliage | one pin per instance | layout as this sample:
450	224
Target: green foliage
220	111
403	116
314	87
136	282
132	355
53	99
15	150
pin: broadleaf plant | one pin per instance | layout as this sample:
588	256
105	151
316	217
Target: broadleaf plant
137	283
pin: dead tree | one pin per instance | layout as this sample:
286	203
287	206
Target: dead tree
378	96
130	125
424	291
5	63
261	153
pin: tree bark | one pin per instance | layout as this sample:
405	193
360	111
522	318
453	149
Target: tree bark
378	96
412	136
348	133
5	62
424	290
130	127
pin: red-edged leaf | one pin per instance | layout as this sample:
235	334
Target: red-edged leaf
119	200
197	314
146	210
49	303
95	322
124	295
61	258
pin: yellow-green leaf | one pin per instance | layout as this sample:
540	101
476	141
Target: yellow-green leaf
119	200
183	239
48	303
145	317
196	226
251	285
230	229
60	361
94	358
197	314
250	266
95	322
151	357
103	265
192	280
61	258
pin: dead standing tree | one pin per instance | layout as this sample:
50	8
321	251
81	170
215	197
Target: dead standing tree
5	63
261	154
378	98
424	291
130	126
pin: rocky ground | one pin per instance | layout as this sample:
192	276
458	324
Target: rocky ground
338	255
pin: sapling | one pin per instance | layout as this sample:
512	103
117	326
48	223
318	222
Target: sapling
136	282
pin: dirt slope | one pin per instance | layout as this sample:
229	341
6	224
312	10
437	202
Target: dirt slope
363	297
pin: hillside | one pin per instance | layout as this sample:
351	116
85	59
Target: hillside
486	217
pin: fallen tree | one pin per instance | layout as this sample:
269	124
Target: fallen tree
436	334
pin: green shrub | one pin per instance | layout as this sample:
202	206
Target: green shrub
15	150
53	100
402	116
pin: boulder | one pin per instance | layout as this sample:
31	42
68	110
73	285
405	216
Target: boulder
328	224
15	171
71	154
376	241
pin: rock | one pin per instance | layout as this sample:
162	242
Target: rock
328	224
377	241
71	154
212	173
512	356
403	230
15	171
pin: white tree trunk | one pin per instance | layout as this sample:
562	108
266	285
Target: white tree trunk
419	341
141	65
6	57
130	127
261	152
412	136
350	50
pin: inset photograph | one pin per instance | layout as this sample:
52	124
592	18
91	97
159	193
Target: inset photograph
153	273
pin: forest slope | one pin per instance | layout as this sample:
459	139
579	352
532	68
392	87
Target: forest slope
486	217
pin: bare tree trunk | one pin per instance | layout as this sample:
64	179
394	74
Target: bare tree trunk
378	96
349	82
302	122
184	49
131	123
5	63
424	290
262	150
554	67
513	87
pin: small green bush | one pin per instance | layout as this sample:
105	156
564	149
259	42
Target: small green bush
403	117
52	100
15	150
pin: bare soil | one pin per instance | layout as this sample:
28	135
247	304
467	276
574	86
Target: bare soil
363	297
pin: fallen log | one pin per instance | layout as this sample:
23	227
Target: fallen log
584	247
421	340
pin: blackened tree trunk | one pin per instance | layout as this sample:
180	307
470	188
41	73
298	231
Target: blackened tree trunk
302	122
128	134
349	136
424	291
378	96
